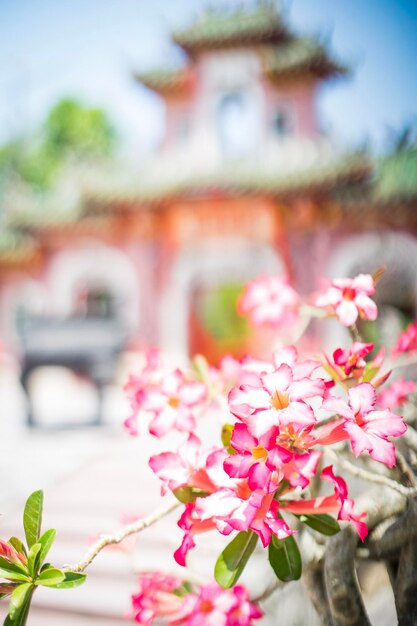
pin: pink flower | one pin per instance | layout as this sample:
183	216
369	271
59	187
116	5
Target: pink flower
278	399
256	458
407	340
10	554
136	385
172	402
270	300
352	360
215	606
368	429
240	508
155	597
348	298
186	467
396	394
338	502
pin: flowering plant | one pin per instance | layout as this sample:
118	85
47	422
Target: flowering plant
269	479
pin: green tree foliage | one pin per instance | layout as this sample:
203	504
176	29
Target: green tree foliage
70	131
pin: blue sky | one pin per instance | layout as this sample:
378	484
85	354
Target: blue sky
89	48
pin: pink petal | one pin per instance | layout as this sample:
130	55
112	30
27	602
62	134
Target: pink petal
385	423
171	383
278	380
238	465
248	396
162	422
297	413
366	306
241	439
259	477
287	355
184	421
365	283
306	388
339	406
347	312
192	393
260	422
362	398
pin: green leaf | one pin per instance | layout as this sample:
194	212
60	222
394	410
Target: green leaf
12	566
285	559
18	599
46	542
322	523
33	559
189	494
72	579
234	557
20	615
226	435
18	545
370	372
49	577
32	517
283	486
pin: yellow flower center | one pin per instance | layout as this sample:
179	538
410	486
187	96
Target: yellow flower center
260	454
206	606
280	400
173	402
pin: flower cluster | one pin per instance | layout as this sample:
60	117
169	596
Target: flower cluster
210	605
167	398
407	341
279	416
348	299
270	300
265	466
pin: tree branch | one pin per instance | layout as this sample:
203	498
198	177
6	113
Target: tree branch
122	533
345	598
372	477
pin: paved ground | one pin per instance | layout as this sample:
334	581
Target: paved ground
92	477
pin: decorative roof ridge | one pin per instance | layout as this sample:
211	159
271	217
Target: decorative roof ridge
216	28
163	80
304	52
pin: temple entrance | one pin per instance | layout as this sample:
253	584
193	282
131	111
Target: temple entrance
215	327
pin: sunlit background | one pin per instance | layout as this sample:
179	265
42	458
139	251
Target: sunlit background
154	156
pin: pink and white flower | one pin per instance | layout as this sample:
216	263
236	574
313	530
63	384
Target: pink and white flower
270	300
352	359
407	340
367	429
396	394
155	597
277	400
348	299
172	403
338	502
186	467
215	606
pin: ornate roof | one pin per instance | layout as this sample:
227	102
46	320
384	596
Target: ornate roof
299	56
234	179
166	81
219	29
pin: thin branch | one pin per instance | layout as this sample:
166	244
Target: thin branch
372	477
122	533
277	584
354	333
406	473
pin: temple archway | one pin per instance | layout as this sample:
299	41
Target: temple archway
224	263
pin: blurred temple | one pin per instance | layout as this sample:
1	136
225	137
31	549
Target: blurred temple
245	182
